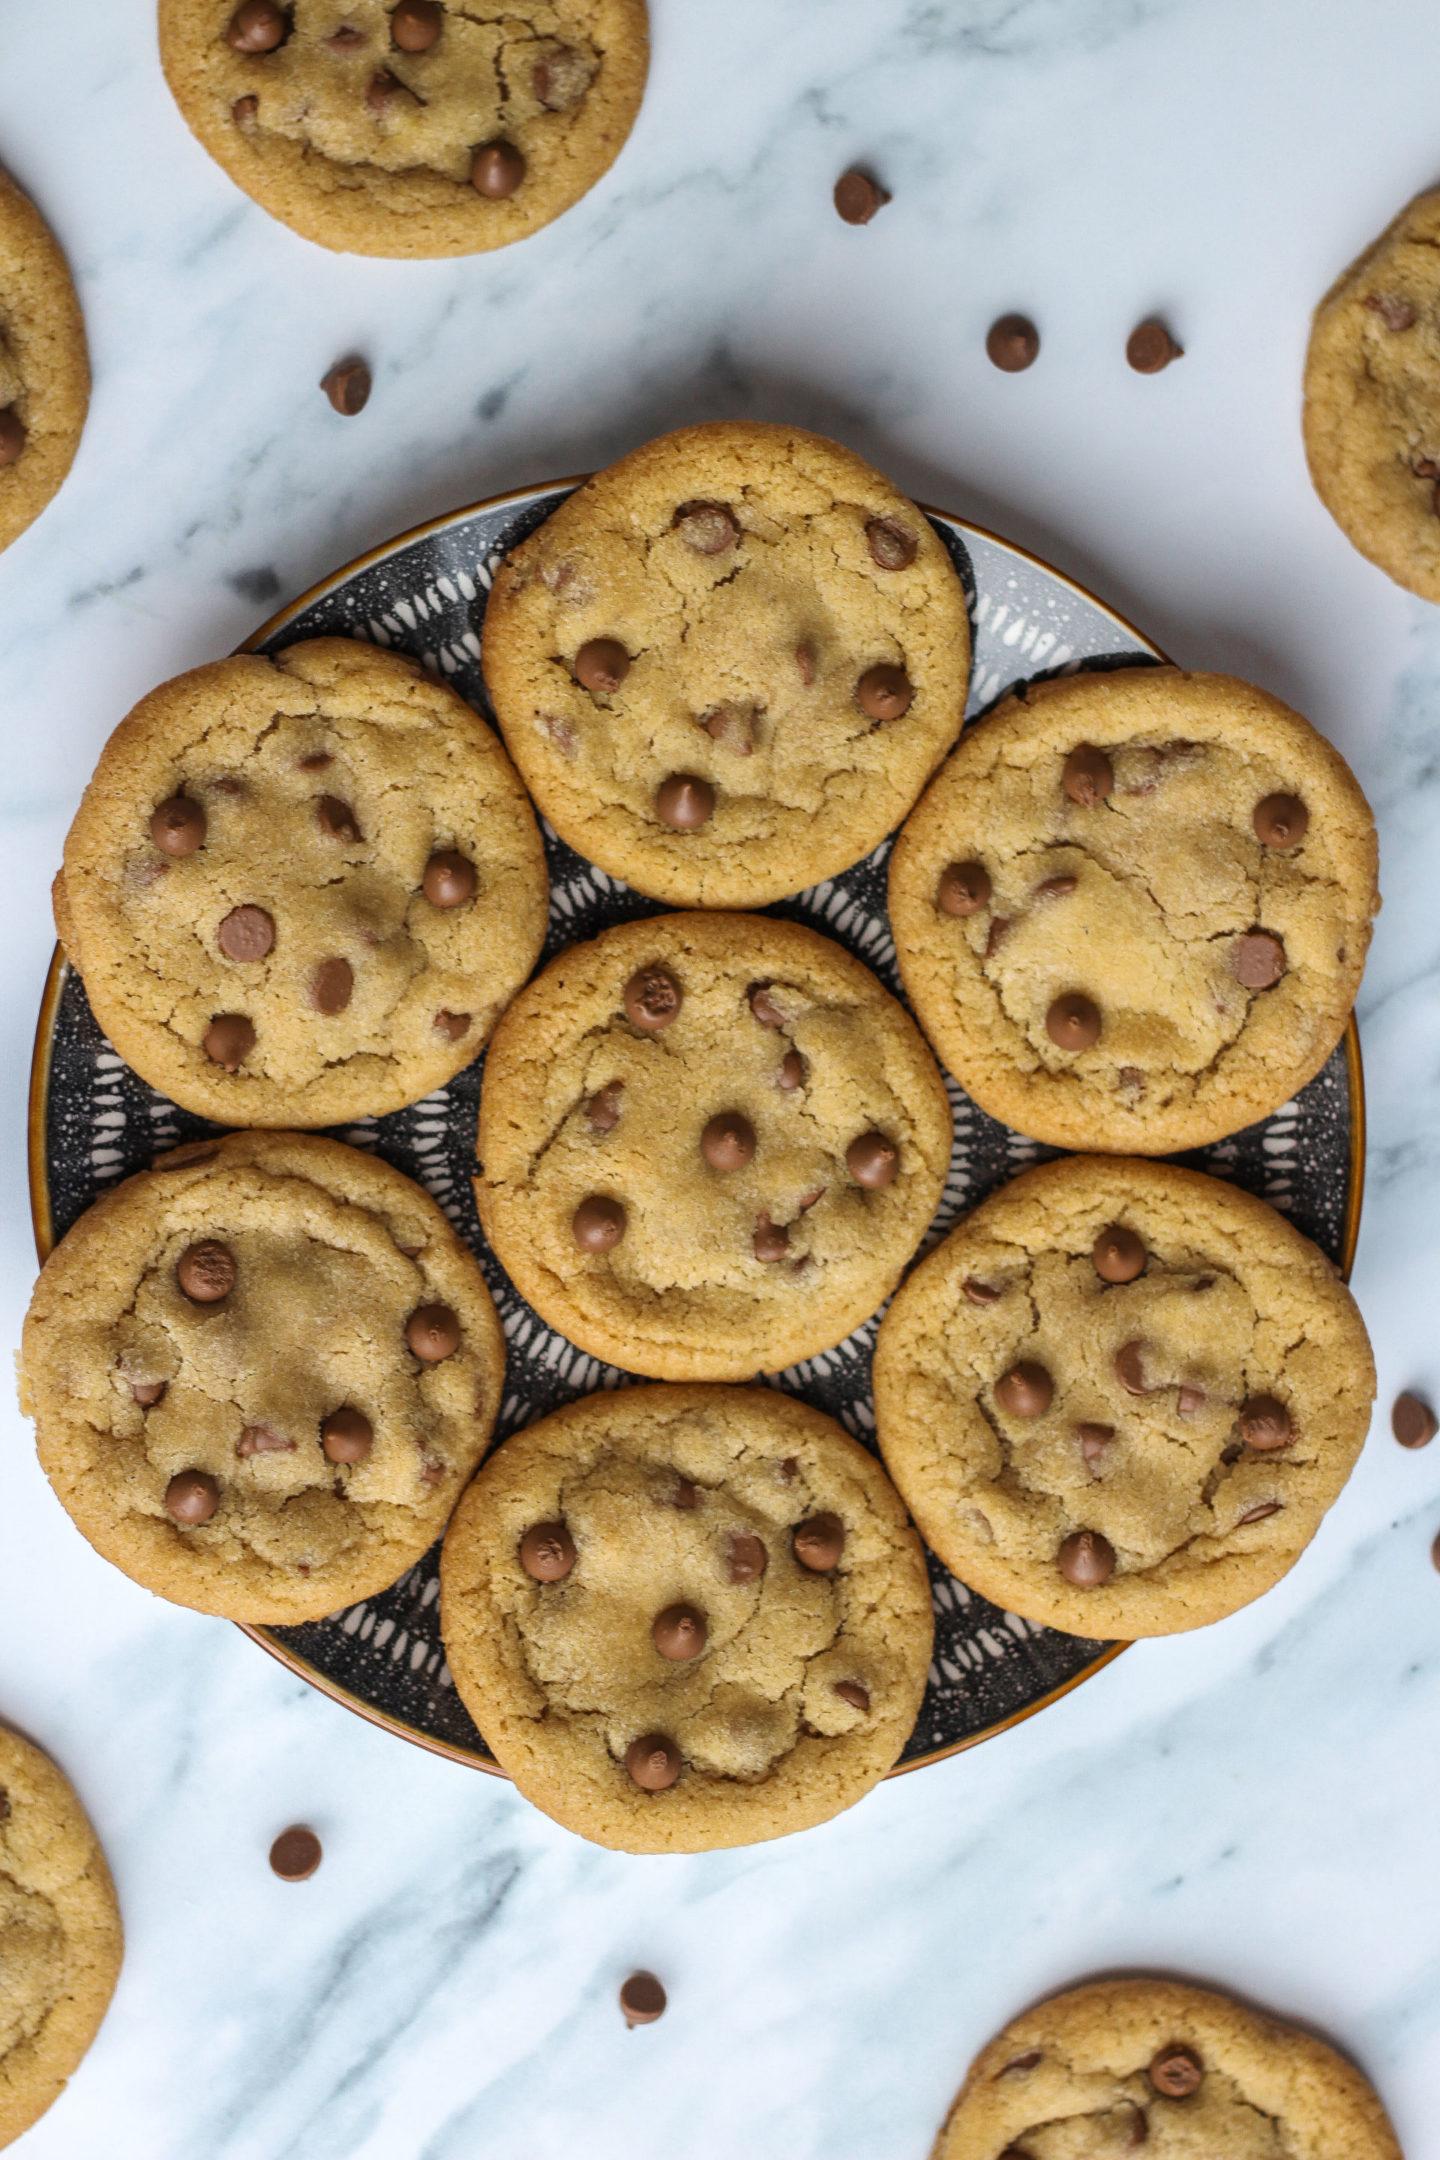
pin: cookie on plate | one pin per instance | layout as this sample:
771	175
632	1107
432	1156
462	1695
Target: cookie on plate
1132	911
261	1373
1120	2064
302	889
727	666
420	128
60	1934
709	1144
1119	1398
687	1617
44	370
1372	400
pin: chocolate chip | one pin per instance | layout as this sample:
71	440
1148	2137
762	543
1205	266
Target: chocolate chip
449	879
1056	888
733	727
455	1025
652	999
1086	1559
872	1160
1130	1368
884	692
547	1552
980	1293
964	889
892	545
496	170
728	1141
1257	960
247	933
1176	2072
347	1436
348	38
206	1272
602	1110
433	1333
1412	1421
229	1039
1088	776
1013	343
1021	2062
642	1999
243	113
1072	1022
1026	1390
601	666
315	761
819	1543
771	1240
1118	1254
560	78
858	197
332	986
296	1854
1190	1399
263	1440
653	1762
257	26
1150	347
850	1691
12	435
148	1392
1281	821
4	1805
1094	1440
416	24
679	1633
192	1497
1265	1424
792	1072
1258	1513
745	1557
685	801
336	819
805	662
347	385
995	936
178	826
1396	314
764	1008
598	1224
708	527
684	1495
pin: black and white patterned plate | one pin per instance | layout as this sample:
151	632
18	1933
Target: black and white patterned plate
93	1121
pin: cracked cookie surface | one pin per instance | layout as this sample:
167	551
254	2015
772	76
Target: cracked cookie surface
783	655
1104	2070
302	889
197	1416
1128	1452
44	370
1372	400
60	1934
1093	933
361	126
797	1685
709	1144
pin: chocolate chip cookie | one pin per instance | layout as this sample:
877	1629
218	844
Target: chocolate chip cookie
727	666
1372	400
1133	909
1109	2068
60	1935
687	1617
709	1144
302	889
44	370
1119	1398
422	127
261	1373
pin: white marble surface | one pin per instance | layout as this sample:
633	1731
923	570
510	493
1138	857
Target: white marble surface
1253	1805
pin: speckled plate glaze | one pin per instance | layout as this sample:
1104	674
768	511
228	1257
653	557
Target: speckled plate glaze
93	1121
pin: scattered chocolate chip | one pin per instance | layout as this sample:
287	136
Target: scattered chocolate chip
598	1224
336	819
708	527
296	1854
1150	347
449	879
1013	343
433	1333
257	26
247	933
805	662
1396	314
1021	2062
685	801
733	726
206	1272
1412	1421
496	170
1265	1424
1094	1440
872	1160
347	385
792	1072
243	112
1086	1559
884	692
601	666
892	545
547	1552
1130	1080
455	1025
1259	1512
148	1392
229	1039
560	78
416	24
332	986
995	936
1026	1390
764	1008
858	197
850	1691
745	1557
819	1543
263	1440
771	1240
1257	960
178	826
642	1999
602	1109
684	1495
1056	888
1281	821
964	889
1118	1254
192	1497
348	38
12	435
728	1141
679	1633
1190	1399
1130	1368
347	1436
653	1762
1088	776
1176	2072
652	999
1072	1022
980	1293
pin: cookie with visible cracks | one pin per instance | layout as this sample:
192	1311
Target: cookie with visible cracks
44	368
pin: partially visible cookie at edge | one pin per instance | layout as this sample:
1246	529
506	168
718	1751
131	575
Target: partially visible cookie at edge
44	367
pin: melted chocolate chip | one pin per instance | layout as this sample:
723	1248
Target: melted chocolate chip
850	1691
416	24
679	1633
1257	960
653	1762
642	1999
347	1436
191	1497
764	1008
247	933
771	1240
229	1039
1130	1368
257	26
1281	821
1086	1559
296	1854
1395	313
347	385
602	1109
601	666
980	1293
1259	1513
892	545
685	801
348	38
206	1272
332	986
433	1333
1176	2072
1412	1421
243	113
598	1224
449	879
884	692
1118	1254
496	170
12	436
1150	347
1026	1390
263	1440
1094	1440
805	662
733	727
964	889
547	1552
708	527
1265	1424
820	1542
148	1392
792	1072
728	1141
178	826
1013	343
872	1160
1056	888
1088	776
560	78
858	197
455	1025
336	819
745	1557
1072	1022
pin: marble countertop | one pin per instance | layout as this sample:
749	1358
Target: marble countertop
1252	1805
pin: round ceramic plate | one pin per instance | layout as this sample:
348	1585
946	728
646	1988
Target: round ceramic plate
93	1121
